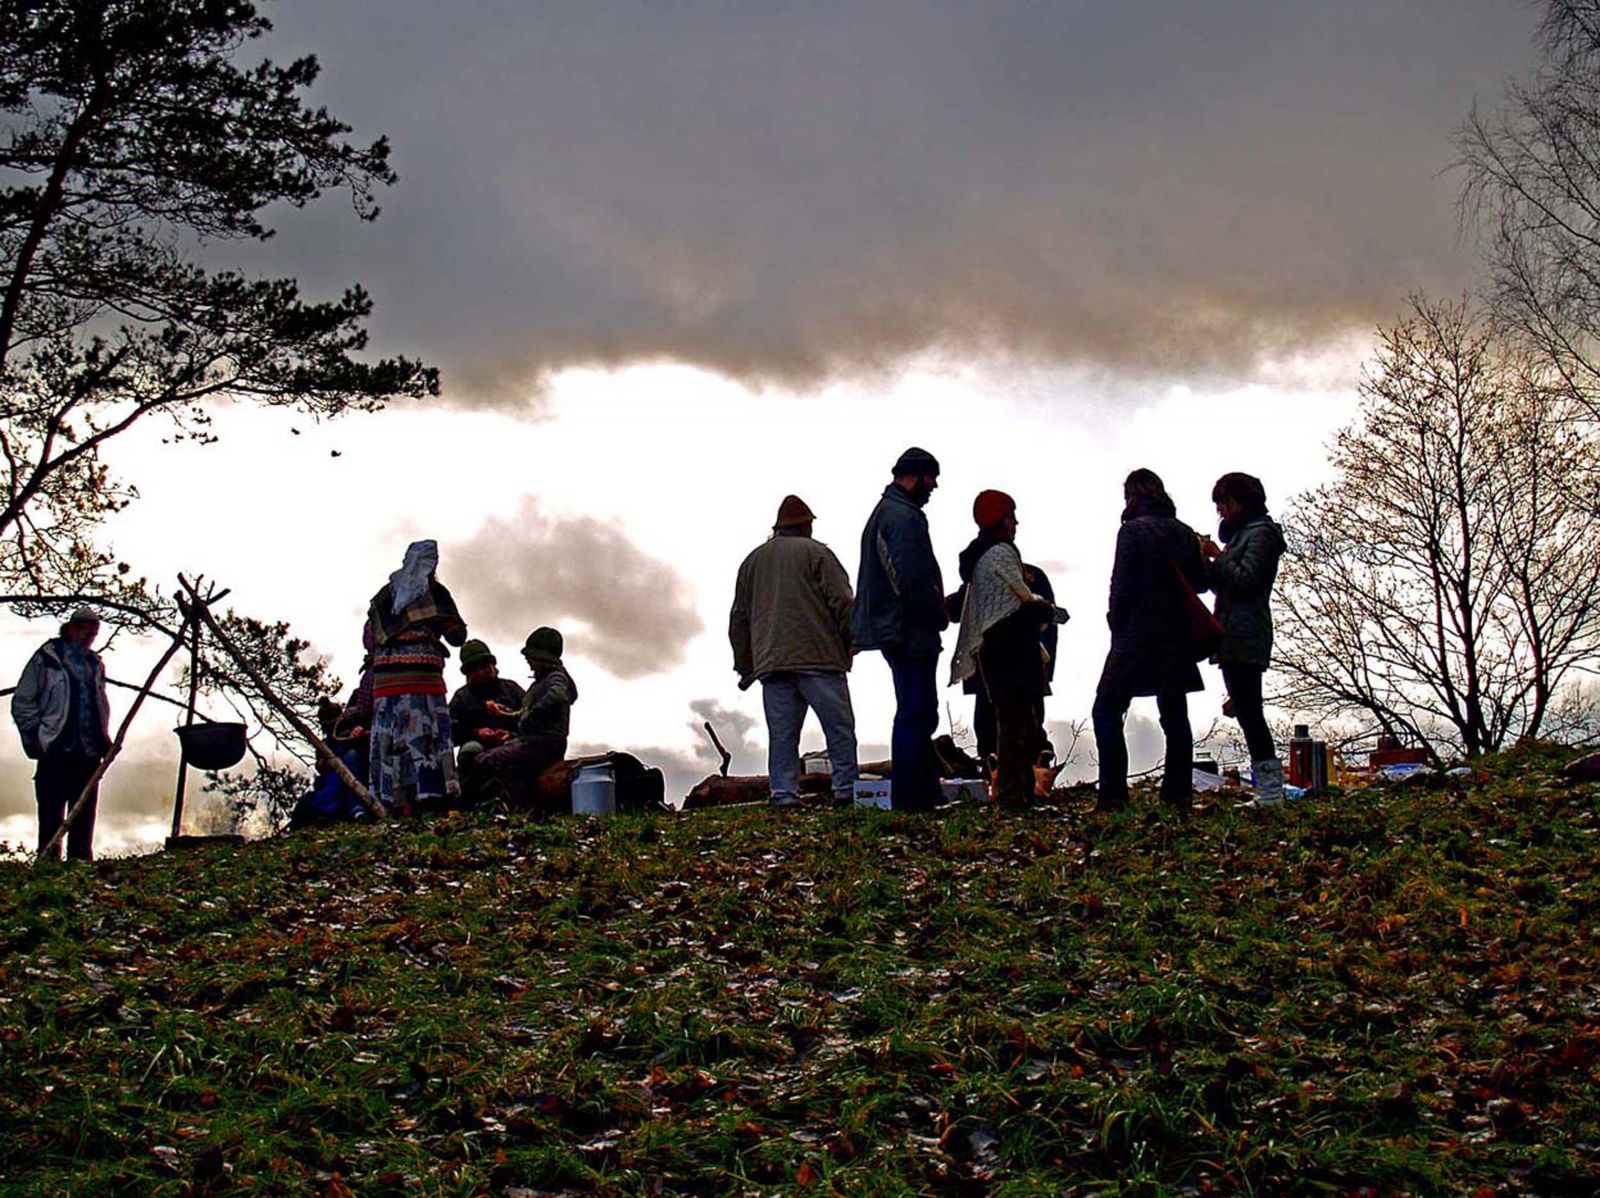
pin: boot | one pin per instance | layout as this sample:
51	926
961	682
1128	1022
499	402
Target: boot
1269	782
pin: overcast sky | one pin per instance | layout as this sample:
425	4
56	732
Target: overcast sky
680	259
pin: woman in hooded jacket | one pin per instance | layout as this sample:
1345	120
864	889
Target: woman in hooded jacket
1001	619
1242	571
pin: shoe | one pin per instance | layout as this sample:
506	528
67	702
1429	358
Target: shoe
784	801
1269	782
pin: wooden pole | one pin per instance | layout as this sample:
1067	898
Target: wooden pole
111	754
325	754
188	722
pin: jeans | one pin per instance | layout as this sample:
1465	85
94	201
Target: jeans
1177	780
914	776
1244	688
786	697
57	784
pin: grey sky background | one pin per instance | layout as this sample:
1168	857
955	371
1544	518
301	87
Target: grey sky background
789	192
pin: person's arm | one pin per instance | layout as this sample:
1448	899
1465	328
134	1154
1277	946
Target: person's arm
464	721
836	593
739	629
1193	564
25	701
449	625
1123	581
552	691
1245	567
915	571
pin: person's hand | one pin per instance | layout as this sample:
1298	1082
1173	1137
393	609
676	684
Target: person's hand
496	736
1209	548
500	709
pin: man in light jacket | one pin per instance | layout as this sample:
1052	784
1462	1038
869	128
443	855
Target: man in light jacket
790	630
900	612
61	710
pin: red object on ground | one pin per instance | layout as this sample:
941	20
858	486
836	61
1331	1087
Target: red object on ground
1382	757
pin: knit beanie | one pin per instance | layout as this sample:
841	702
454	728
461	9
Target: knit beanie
474	654
916	462
793	512
991	507
543	644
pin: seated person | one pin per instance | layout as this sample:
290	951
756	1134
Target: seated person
483	713
509	771
330	800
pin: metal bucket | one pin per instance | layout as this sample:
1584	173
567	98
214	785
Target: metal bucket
211	746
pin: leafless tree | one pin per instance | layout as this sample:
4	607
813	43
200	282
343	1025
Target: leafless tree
1531	188
1447	583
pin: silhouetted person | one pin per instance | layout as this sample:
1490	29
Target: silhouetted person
999	643
790	630
411	619
1242	576
1151	653
61	710
899	611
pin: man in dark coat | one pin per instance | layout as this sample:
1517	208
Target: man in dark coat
483	713
899	611
1157	556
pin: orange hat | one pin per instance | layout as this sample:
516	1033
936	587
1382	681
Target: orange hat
991	507
793	512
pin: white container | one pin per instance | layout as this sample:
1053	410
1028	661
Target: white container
873	794
816	763
594	790
965	790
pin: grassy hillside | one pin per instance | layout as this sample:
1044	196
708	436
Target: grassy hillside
1392	991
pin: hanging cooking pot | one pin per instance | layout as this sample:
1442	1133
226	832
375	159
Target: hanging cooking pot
211	746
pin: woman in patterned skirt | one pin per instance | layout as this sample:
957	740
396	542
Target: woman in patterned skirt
411	619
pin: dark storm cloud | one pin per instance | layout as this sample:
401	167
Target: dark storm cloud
785	191
613	602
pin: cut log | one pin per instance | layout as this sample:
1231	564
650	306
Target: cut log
717	791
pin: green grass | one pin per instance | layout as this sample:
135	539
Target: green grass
1387	992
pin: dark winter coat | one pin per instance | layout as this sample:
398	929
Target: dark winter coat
1150	650
469	709
1242	578
899	604
547	707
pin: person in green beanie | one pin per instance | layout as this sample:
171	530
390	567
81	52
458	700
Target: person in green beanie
483	713
543	723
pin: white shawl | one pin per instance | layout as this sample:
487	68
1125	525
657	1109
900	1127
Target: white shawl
997	589
410	582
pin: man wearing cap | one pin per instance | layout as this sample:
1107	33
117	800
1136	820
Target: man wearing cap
899	611
61	710
483	713
790	630
543	723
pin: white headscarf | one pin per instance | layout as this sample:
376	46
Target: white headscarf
410	581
